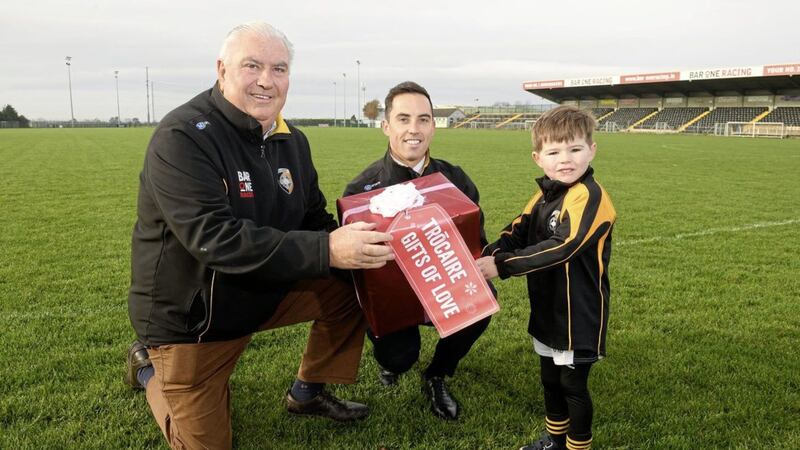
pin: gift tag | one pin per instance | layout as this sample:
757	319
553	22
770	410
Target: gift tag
440	269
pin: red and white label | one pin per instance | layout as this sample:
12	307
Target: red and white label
439	267
650	78
543	84
245	185
781	69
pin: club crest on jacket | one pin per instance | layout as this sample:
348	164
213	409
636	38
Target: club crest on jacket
285	180
552	222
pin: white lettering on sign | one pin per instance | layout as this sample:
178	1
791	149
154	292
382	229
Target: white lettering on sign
733	72
412	244
431	273
439	242
441	246
594	81
445	300
650	77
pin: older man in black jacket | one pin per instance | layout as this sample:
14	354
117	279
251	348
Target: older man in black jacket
233	237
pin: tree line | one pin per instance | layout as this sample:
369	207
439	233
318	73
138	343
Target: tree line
9	114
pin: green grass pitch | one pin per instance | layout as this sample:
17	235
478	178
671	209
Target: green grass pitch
703	338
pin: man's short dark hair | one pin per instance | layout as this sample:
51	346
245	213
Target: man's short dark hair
406	87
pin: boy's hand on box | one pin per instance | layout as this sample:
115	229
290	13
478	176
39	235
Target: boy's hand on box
487	266
356	246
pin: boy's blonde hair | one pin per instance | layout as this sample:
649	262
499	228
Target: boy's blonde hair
561	124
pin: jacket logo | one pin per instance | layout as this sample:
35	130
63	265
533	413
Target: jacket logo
245	185
202	125
285	180
369	187
552	222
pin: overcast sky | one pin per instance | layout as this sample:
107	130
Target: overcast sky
460	51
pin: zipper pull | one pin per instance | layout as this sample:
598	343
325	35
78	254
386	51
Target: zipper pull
262	151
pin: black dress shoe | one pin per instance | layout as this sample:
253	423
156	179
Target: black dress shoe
137	358
442	403
387	377
327	405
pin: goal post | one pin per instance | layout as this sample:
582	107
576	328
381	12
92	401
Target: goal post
758	129
610	127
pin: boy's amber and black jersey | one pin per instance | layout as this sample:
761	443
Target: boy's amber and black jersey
562	242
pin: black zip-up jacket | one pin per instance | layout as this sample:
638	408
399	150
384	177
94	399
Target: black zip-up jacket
386	172
562	242
227	222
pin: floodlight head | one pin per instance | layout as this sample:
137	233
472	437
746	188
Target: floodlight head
68	59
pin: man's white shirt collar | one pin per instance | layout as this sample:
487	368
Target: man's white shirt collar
419	167
271	130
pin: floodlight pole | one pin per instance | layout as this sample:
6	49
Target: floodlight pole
344	97
68	60
116	81
358	90
334	103
153	98
147	91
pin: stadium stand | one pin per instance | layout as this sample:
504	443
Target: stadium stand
600	112
465	123
486	120
724	114
671	118
520	121
745	101
499	120
789	115
625	117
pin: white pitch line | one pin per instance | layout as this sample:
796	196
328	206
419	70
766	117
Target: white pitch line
708	232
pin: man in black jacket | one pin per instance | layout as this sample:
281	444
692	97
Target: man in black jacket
232	237
409	125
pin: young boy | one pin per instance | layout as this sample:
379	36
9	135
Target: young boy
562	243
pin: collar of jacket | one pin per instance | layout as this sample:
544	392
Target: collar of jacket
392	166
551	187
244	122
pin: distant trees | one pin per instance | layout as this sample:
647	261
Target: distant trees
372	109
9	114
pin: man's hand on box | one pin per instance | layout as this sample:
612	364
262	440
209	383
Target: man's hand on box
487	266
356	246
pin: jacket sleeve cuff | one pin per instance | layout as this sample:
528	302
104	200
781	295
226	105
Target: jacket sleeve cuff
324	254
502	267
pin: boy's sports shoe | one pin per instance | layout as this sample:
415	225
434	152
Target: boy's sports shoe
387	377
545	442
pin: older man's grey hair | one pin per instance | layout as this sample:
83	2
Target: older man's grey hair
258	28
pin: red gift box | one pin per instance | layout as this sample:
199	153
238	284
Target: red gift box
388	300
